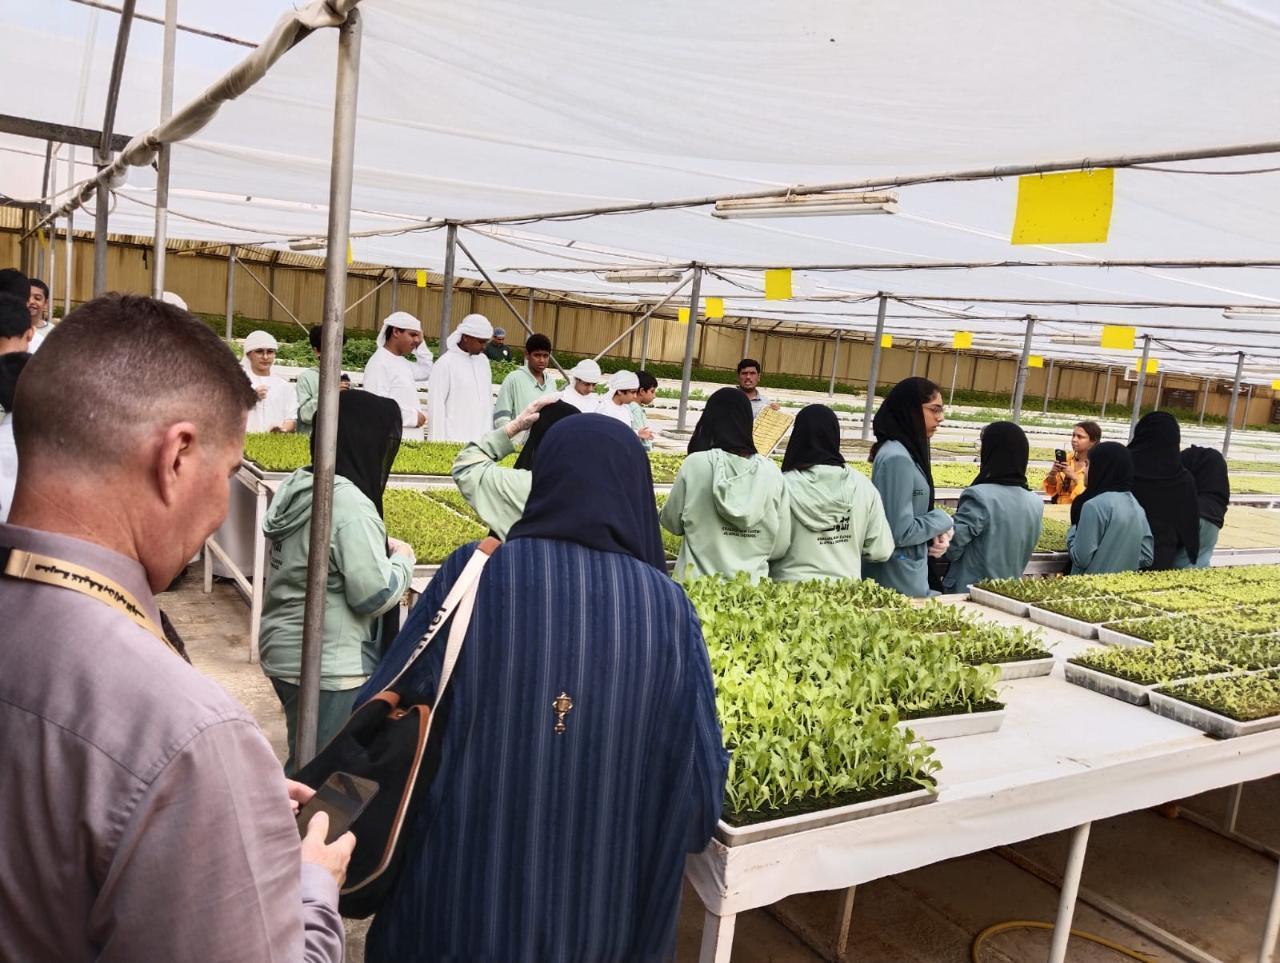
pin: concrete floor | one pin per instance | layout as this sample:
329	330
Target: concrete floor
1207	890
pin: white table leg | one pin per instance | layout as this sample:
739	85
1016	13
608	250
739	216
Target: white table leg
1233	807
717	938
1067	898
846	921
208	568
258	578
1272	929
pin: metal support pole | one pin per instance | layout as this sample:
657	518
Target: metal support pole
1048	389
1020	380
1248	400
1204	401
1142	383
1272	928
70	238
231	289
326	426
395	291
1070	889
874	374
1231	408
644	344
955	370
1106	393
915	357
1159	390
160	243
270	294
51	263
835	359
686	373
746	341
643	319
102	156
446	293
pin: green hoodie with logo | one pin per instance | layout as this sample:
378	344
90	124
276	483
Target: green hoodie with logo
733	512
837	520
363	583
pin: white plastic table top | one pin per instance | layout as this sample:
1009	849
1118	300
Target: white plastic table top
1065	756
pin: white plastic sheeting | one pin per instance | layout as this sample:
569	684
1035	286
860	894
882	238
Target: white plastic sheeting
491	109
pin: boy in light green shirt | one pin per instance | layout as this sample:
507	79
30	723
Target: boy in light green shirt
644	398
526	383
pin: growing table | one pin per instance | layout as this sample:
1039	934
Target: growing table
1065	757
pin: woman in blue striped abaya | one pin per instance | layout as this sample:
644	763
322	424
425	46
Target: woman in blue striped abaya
581	758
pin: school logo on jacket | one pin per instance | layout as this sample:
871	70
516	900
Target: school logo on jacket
837	534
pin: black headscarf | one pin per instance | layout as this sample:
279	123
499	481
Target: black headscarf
1002	459
592	486
11	366
815	440
369	429
1213	488
901	419
725	423
1110	470
1165	490
547	417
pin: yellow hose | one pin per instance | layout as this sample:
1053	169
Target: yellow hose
997	928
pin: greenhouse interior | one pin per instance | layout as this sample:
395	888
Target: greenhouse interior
931	357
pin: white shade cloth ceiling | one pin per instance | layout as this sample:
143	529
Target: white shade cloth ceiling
491	109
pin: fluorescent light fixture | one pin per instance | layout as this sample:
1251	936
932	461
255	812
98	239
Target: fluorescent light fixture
316	245
809	205
641	275
1250	312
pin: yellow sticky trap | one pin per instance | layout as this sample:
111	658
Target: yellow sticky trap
422	279
961	340
351	254
682	315
777	284
715	307
1275	386
1035	361
886	341
1118	336
1153	365
1070	208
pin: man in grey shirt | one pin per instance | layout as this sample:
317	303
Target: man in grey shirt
748	380
145	816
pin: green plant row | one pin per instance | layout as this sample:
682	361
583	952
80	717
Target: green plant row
1240	697
434	529
1149	665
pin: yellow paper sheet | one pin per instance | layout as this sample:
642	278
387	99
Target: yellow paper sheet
422	279
715	307
1035	361
1070	208
777	284
770	425
682	315
351	254
1118	336
886	341
961	340
1153	365
1275	386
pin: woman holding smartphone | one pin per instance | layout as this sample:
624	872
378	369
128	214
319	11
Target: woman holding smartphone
1067	478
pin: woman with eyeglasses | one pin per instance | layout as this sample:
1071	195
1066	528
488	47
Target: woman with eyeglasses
902	473
1068	477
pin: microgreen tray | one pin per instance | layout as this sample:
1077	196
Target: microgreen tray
788	825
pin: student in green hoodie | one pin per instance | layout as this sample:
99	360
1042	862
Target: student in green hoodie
1109	530
365	581
998	520
902	473
728	502
837	518
527	383
499	494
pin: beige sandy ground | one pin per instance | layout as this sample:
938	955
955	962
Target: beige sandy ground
1208	890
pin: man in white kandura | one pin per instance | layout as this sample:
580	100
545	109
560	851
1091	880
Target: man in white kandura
581	393
277	407
616	403
391	374
460	394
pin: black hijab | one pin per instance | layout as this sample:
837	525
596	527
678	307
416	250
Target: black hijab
1002	458
592	486
547	417
1110	470
369	429
901	419
1165	490
11	366
725	423
815	440
1213	488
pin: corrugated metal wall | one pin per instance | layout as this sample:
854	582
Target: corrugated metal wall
198	271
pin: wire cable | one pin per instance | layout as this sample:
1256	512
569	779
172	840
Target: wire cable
1008	925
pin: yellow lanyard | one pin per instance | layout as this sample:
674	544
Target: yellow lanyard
33	567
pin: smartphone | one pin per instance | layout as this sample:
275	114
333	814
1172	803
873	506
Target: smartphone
1059	454
344	797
